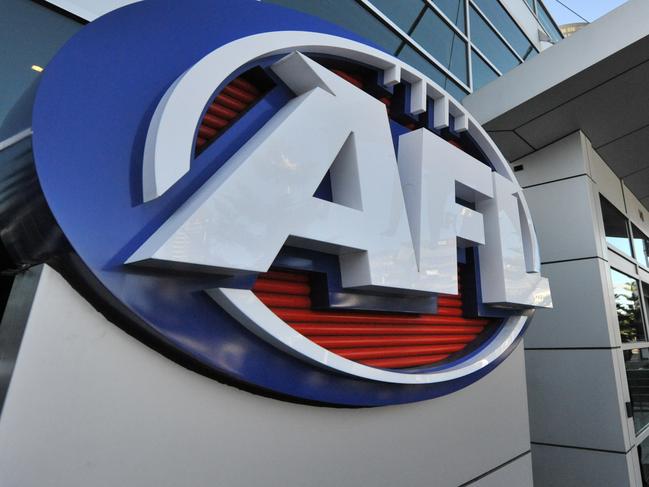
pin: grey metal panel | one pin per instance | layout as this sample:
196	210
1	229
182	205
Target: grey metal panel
547	79
582	308
517	473
634	468
601	112
90	405
623	152
564	467
564	217
621	262
639	183
511	145
575	398
563	159
595	81
645	202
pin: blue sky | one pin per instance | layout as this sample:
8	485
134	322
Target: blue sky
590	9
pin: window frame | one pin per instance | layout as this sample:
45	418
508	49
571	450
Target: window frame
644	263
630	266
491	28
641	305
534	8
465	35
643	433
629	256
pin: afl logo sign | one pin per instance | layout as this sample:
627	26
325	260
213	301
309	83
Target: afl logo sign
275	203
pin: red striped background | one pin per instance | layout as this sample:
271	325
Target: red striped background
387	340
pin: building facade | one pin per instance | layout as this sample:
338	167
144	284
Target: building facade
569	29
86	403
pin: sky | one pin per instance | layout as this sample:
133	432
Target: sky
589	9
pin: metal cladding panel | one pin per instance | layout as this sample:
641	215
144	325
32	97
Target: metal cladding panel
516	473
573	236
556	466
110	412
582	308
593	415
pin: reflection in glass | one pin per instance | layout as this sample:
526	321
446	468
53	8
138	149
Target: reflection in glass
490	44
350	15
643	455
436	37
615	227
507	27
30	34
546	22
454	10
627	305
482	72
640	246
403	13
637	374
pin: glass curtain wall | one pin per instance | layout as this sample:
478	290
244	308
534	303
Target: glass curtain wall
460	44
545	19
631	298
643	455
637	372
30	35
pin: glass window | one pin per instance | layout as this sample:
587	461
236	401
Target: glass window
643	455
482	72
640	246
416	60
30	35
507	27
455	90
350	15
454	10
403	13
627	305
637	375
531	4
490	44
546	22
434	34
615	227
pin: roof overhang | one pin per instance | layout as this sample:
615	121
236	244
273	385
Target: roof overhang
596	81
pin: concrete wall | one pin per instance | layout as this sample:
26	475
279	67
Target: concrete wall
90	406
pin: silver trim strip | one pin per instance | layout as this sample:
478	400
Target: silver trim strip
14	139
486	60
